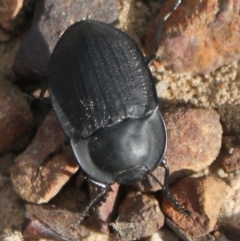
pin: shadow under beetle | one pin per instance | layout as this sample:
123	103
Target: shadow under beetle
104	96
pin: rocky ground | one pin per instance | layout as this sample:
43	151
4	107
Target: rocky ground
198	83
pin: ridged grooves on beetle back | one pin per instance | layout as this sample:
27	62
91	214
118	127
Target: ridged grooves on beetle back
98	78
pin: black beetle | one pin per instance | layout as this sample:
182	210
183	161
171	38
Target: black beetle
103	94
104	97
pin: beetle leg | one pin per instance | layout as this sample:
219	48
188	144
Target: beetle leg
152	56
167	174
165	188
50	156
103	193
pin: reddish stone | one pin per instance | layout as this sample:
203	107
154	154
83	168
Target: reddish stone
229	157
139	216
52	176
199	37
203	198
52	223
194	142
104	213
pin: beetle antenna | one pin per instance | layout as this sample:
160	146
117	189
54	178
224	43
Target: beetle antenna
152	56
103	193
165	188
50	156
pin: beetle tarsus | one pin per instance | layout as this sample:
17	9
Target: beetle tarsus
150	59
175	202
170	197
165	188
152	56
102	194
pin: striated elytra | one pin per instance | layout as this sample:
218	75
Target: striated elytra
104	97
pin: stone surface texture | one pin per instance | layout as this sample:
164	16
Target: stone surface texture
12	211
15	117
198	43
51	19
13	14
230	154
139	215
163	234
203	198
194	142
54	175
106	211
229	215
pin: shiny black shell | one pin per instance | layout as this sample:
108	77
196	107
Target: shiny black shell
124	152
97	77
105	99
